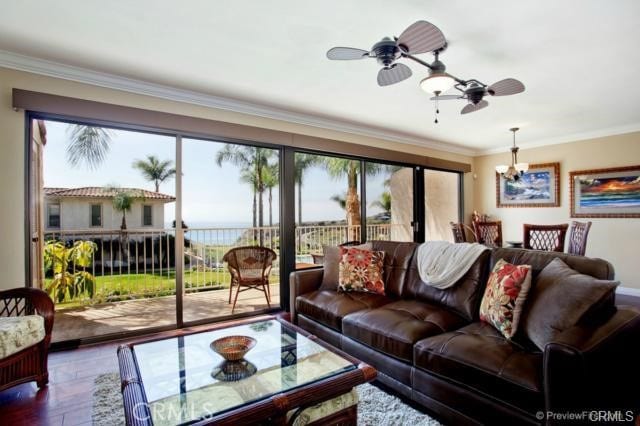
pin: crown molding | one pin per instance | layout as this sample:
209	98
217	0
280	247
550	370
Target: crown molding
110	81
575	137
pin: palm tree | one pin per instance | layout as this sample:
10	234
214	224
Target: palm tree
302	163
88	144
270	180
384	202
154	170
123	202
340	167
251	160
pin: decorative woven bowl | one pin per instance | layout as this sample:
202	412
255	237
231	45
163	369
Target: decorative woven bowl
233	348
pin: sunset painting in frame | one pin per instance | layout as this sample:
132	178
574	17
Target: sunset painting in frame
606	192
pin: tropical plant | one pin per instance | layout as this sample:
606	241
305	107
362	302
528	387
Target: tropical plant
87	144
270	175
123	200
59	259
252	161
341	167
154	170
384	202
302	163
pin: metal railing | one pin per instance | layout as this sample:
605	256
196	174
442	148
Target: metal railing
138	263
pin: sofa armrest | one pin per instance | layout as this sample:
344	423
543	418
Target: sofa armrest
301	282
590	366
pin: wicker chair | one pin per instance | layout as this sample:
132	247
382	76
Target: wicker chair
545	237
30	363
250	268
489	233
578	238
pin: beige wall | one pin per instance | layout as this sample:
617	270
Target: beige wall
12	212
615	240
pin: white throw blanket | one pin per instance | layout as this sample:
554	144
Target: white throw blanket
441	264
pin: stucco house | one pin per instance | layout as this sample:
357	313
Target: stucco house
91	209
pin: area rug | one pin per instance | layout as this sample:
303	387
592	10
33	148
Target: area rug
375	408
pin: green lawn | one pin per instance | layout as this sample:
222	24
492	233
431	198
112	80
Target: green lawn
134	286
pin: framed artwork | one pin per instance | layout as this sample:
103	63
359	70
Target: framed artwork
538	187
611	192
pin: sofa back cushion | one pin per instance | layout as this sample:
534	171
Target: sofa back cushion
463	297
398	256
597	268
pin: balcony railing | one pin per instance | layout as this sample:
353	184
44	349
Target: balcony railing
140	263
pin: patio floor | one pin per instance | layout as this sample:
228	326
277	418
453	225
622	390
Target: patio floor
96	320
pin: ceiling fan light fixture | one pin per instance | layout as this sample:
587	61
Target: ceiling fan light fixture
437	83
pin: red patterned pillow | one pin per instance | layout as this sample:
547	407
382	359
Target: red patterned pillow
360	270
505	295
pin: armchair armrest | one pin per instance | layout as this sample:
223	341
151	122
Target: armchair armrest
301	282
590	366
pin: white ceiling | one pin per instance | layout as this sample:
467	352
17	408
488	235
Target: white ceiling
579	59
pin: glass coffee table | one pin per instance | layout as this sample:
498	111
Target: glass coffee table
181	380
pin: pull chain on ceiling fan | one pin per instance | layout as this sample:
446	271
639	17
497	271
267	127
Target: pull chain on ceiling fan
424	37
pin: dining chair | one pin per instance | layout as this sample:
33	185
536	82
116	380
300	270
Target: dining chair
460	234
578	238
249	268
488	233
545	237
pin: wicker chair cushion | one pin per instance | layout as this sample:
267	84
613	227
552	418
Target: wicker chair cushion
18	333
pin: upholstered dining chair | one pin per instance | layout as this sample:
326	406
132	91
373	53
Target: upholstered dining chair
26	321
578	238
489	233
249	268
545	237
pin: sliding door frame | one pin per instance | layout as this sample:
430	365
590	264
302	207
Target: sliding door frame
287	208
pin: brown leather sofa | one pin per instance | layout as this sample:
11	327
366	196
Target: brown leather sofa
430	346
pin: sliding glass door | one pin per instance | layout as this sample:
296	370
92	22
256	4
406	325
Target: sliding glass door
129	228
230	198
102	243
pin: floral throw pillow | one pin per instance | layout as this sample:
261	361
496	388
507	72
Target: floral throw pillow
505	295
360	270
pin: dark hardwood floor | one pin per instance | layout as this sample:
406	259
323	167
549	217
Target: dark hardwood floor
67	400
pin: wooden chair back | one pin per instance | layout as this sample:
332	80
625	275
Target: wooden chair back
578	238
489	233
459	235
545	237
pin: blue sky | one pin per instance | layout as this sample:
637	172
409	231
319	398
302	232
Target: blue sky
211	194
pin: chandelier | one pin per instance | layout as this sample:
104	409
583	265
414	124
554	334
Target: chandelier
515	170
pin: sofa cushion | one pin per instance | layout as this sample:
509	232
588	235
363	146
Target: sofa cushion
560	298
504	296
361	270
395	327
478	356
397	259
331	263
538	259
464	297
328	307
18	333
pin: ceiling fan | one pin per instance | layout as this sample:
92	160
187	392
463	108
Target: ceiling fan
423	37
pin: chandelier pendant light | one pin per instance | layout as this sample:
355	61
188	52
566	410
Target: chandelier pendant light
515	171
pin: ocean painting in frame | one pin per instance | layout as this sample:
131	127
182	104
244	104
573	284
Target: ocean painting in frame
606	192
538	187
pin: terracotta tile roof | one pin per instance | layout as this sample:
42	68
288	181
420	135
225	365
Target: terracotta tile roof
104	192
